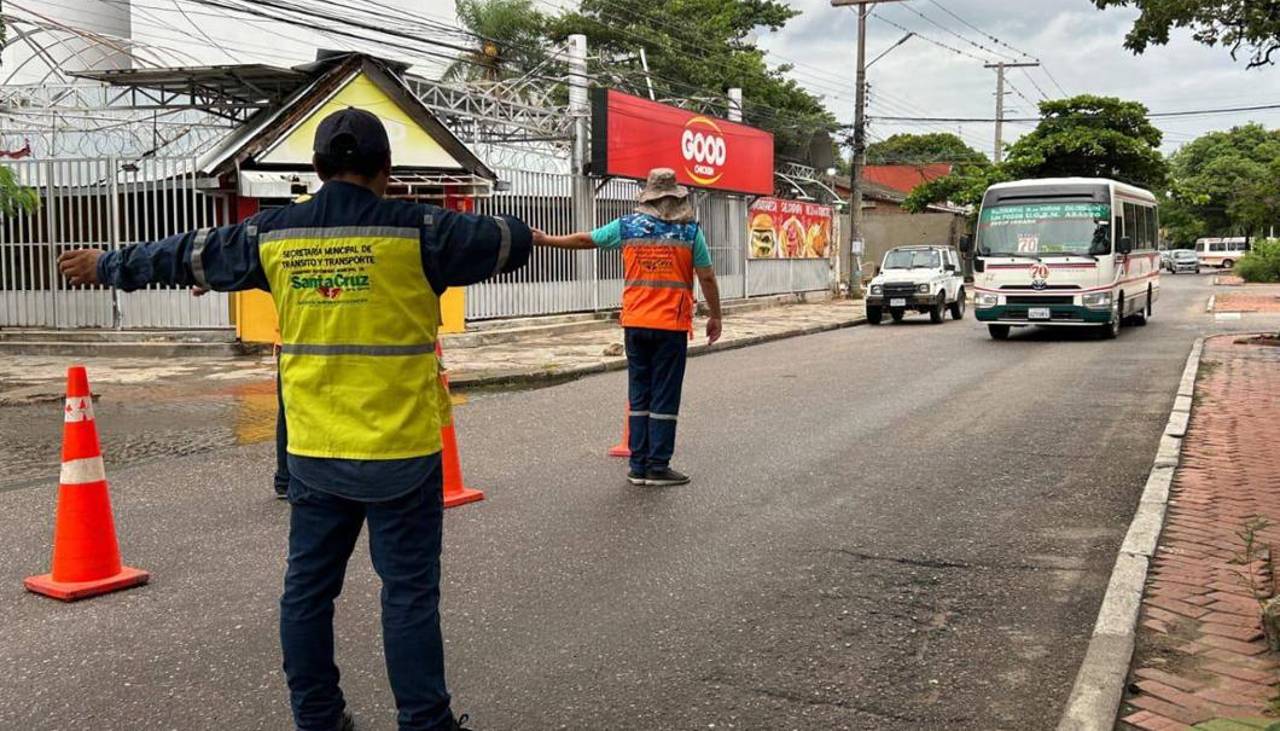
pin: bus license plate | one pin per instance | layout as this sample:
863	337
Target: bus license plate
898	302
1038	313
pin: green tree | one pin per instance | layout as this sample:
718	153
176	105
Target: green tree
699	48
1086	136
511	36
1249	25
1224	183
923	149
13	196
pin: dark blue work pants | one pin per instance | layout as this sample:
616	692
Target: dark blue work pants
404	543
655	369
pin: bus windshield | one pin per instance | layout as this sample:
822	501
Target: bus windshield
1044	229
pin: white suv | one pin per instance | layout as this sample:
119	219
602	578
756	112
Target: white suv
924	279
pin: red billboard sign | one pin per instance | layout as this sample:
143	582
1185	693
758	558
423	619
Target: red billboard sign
631	135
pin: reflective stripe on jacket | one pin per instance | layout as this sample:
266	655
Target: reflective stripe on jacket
657	259
358	321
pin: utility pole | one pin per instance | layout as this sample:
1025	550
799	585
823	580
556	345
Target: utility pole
583	195
859	161
1000	93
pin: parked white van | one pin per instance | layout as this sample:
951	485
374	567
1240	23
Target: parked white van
1221	252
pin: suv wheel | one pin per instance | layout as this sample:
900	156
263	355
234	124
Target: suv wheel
957	307
939	308
874	315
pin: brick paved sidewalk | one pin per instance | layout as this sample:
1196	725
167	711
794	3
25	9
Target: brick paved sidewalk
1249	298
1201	655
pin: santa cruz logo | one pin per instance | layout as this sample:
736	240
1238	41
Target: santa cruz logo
1039	275
330	286
704	150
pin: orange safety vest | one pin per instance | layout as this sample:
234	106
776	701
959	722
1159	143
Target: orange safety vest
657	261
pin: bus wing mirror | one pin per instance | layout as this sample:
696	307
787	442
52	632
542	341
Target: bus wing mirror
966	243
1125	245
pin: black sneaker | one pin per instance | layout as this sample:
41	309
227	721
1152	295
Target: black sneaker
635	478
665	477
457	724
348	722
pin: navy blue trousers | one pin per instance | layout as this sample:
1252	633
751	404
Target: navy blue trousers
655	369
404	543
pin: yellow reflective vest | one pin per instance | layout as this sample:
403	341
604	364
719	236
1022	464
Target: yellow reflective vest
358	322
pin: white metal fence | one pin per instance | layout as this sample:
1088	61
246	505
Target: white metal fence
102	203
108	203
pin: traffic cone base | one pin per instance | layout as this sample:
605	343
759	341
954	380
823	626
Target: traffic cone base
69	591
462	496
623	448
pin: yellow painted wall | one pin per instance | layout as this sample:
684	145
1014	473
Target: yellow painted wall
255	315
411	146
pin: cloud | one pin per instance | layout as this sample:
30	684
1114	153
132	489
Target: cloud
1082	47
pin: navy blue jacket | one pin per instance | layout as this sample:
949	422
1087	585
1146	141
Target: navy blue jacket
457	249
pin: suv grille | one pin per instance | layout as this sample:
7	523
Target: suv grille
899	289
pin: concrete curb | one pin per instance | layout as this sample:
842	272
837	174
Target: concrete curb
1099	687
464	380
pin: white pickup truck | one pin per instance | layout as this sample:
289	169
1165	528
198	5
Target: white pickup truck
924	279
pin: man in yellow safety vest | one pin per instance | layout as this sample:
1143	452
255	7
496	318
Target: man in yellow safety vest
356	279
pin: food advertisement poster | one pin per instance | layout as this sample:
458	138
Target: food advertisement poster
783	229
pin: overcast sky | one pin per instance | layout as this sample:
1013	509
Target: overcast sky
1079	45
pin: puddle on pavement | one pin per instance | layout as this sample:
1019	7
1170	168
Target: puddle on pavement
138	424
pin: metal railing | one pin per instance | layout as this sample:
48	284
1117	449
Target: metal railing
103	203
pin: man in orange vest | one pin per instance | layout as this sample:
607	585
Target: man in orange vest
662	249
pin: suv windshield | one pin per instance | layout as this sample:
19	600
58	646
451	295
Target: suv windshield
1184	255
911	259
1039	229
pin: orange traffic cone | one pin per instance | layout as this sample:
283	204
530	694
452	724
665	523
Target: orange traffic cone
623	448
86	557
455	493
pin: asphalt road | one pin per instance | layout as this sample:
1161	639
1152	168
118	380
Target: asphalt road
906	526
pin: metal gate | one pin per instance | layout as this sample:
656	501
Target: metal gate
567	281
103	203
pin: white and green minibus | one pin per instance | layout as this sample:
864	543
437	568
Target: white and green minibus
1077	252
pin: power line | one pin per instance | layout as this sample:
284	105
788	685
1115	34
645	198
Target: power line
981	32
927	39
1032	79
979	46
1150	115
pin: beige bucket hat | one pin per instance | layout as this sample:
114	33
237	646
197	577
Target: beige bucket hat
665	198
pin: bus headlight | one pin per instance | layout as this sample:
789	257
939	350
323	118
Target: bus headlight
922	288
1098	300
877	289
986	299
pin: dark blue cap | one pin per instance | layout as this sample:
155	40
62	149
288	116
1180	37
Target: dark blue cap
352	134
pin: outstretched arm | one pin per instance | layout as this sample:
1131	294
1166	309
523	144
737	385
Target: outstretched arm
580	240
223	259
